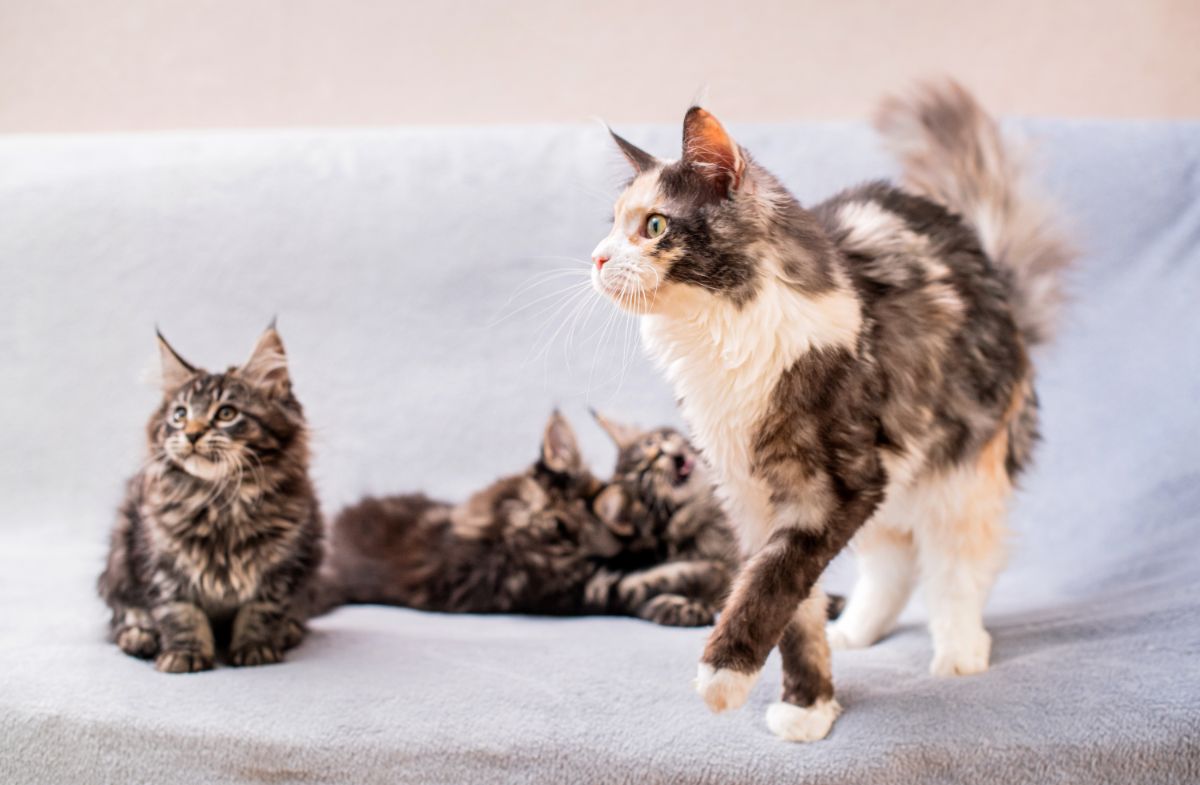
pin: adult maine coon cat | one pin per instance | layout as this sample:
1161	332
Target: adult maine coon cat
858	369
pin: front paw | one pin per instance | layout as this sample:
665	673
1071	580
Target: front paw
723	688
803	723
182	662
673	610
292	634
254	654
137	642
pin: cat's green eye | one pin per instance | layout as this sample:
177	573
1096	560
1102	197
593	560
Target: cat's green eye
655	225
180	414
226	413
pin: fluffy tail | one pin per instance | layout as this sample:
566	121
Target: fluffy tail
952	152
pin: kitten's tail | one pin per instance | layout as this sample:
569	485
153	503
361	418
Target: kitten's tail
952	151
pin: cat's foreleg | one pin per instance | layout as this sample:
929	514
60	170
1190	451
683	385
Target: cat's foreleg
808	708
185	636
683	593
260	631
134	632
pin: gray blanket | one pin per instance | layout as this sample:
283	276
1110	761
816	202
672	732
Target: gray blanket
403	266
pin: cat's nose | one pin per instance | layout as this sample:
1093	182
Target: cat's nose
194	437
600	261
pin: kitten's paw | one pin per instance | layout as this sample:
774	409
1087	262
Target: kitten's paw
962	655
673	610
799	723
724	688
137	642
182	662
254	654
292	634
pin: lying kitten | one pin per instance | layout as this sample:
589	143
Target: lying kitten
221	527
859	369
525	544
678	555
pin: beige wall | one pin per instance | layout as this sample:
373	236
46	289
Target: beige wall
87	65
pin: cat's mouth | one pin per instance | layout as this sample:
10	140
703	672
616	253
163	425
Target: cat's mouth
684	465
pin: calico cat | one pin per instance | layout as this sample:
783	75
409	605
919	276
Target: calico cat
528	543
221	530
856	370
677	555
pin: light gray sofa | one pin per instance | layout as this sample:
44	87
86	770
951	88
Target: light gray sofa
395	260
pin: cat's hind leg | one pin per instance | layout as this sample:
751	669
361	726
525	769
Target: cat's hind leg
961	548
887	565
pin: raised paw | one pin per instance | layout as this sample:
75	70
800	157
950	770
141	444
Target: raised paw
673	610
254	654
802	723
182	662
137	641
723	688
962	654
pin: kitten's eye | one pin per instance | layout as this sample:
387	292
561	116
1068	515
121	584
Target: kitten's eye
179	415
655	225
226	413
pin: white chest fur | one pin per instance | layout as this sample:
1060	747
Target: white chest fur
725	363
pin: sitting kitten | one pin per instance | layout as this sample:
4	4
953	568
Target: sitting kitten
221	528
856	370
678	555
525	544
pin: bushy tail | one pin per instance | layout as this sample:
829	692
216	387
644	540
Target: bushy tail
952	151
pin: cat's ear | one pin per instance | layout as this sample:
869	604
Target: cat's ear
623	435
638	158
267	366
711	151
176	371
560	449
610	507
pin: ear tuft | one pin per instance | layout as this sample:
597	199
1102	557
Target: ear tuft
267	366
711	151
176	371
623	435
560	449
641	160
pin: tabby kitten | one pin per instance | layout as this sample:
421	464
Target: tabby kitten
525	544
678	555
220	531
859	369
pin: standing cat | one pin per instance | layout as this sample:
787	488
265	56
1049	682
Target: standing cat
525	544
858	369
221	528
677	555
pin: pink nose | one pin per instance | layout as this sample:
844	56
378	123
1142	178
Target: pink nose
600	261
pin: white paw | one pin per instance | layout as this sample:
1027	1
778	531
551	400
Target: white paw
794	723
723	689
961	655
841	639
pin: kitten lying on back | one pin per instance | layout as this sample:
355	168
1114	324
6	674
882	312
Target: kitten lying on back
678	556
221	527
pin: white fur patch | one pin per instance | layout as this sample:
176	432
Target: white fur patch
794	723
723	689
725	363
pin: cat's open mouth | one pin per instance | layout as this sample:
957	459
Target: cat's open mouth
684	466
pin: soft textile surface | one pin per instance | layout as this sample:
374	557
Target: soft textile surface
395	261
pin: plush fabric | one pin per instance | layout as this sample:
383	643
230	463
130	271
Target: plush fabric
396	261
